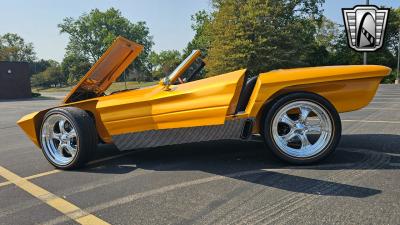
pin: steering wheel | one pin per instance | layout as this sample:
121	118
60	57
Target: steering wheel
180	80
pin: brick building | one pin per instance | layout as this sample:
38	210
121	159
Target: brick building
14	80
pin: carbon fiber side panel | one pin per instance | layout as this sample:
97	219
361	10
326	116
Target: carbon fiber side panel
153	138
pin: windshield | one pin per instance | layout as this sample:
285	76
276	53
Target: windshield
188	70
194	72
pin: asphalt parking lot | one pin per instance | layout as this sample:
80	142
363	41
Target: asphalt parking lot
208	183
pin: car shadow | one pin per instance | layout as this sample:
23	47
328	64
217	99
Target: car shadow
385	143
249	161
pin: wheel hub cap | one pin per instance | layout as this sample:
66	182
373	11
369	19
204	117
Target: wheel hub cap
302	129
59	139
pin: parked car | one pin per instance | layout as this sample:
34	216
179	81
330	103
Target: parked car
295	111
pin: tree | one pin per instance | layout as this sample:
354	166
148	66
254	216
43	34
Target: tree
164	63
51	77
391	40
201	41
326	34
261	35
91	34
74	67
387	55
40	65
14	48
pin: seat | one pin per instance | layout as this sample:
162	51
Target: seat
246	93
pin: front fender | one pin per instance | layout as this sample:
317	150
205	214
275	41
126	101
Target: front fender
31	123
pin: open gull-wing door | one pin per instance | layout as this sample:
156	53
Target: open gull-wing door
105	71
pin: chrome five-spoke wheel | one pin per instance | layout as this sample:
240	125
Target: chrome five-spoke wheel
302	128
67	137
59	139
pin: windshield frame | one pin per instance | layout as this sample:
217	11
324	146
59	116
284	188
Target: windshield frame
185	64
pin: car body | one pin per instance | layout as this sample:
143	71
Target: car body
228	106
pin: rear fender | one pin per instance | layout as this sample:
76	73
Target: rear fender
348	88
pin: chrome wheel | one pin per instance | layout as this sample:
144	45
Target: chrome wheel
302	129
59	139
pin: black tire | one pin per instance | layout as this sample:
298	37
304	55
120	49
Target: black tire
86	136
281	102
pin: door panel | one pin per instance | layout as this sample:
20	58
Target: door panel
198	103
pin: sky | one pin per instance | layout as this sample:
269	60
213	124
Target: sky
168	20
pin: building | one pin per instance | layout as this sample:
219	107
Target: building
14	80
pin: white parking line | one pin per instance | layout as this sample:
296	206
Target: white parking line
385	98
394	164
372	108
393	154
172	187
110	158
385	102
372	121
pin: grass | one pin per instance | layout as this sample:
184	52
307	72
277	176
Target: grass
116	86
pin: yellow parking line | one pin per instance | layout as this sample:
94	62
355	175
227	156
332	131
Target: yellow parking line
56	171
32	177
42	174
65	207
5	183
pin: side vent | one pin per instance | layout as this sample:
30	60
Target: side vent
247	127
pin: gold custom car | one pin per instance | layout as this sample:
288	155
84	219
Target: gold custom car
295	111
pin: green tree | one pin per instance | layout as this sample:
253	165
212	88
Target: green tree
41	65
326	35
51	77
163	63
392	30
261	35
74	67
14	48
387	55
92	33
201	41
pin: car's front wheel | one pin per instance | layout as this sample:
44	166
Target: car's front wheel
302	128
68	136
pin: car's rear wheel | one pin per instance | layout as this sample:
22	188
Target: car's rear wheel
302	128
68	136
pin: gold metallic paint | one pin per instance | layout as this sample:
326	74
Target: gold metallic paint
348	88
210	101
197	103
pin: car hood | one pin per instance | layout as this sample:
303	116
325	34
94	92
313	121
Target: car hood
105	71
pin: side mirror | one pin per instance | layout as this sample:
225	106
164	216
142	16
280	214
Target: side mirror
166	83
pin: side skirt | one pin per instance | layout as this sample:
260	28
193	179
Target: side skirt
231	130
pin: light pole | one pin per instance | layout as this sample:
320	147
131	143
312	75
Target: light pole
365	53
398	60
